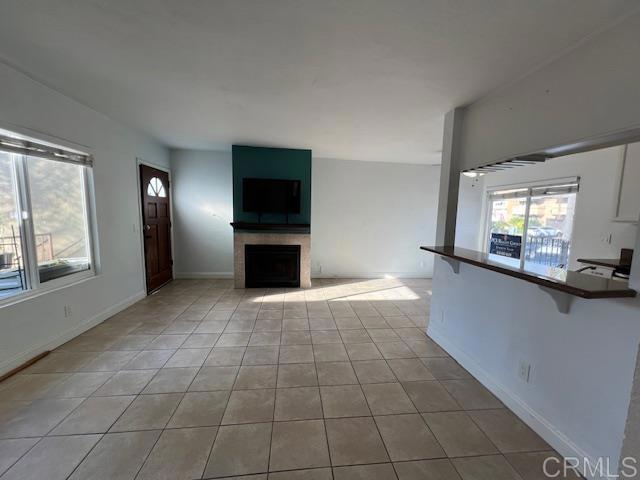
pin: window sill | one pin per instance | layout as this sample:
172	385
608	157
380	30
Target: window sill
50	287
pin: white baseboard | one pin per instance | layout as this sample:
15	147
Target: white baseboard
372	275
196	275
536	421
67	335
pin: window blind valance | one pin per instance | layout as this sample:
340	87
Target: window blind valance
42	150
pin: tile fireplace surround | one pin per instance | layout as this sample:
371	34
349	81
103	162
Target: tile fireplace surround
240	239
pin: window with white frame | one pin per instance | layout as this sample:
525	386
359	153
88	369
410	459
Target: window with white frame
530	226
45	234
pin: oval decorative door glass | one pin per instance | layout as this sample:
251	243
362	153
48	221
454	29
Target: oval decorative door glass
155	188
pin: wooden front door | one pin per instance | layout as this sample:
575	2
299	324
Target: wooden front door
154	186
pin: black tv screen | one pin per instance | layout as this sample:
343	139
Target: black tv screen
266	195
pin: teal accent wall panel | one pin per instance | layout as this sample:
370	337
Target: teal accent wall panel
276	163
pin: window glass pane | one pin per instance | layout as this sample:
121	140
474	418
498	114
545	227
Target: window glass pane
12	277
549	232
506	230
59	217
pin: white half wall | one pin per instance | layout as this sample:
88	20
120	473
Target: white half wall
369	218
582	364
202	211
32	326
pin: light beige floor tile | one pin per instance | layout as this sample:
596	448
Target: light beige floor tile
126	382
149	359
109	361
354	441
240	450
31	387
12	449
238	326
387	399
299	444
200	409
381	471
299	403
297	375
188	357
441	469
408	438
310	474
382	334
171	380
296	354
79	385
410	370
211	326
37	418
319	337
348	323
394	350
267	355
264	338
355	336
94	415
445	368
336	373
225	356
167	342
52	458
494	467
268	325
295	338
508	432
214	378
322	324
249	406
261	376
458	434
430	396
61	362
531	466
363	351
426	348
343	401
330	352
201	340
471	395
373	371
179	454
148	412
116	456
233	340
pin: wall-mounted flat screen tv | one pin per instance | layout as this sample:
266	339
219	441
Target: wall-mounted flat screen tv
267	195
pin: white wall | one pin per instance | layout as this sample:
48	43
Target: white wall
599	176
584	362
202	211
368	218
32	326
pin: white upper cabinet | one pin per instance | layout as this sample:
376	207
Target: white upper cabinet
628	204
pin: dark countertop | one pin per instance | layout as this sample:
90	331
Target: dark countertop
573	283
606	262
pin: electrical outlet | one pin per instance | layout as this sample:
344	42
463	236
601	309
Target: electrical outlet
442	318
524	371
67	311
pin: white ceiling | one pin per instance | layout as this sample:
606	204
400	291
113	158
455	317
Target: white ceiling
351	79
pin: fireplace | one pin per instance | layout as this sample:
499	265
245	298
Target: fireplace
272	266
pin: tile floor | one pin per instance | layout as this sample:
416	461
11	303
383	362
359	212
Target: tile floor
204	381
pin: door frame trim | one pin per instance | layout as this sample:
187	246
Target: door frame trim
139	162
